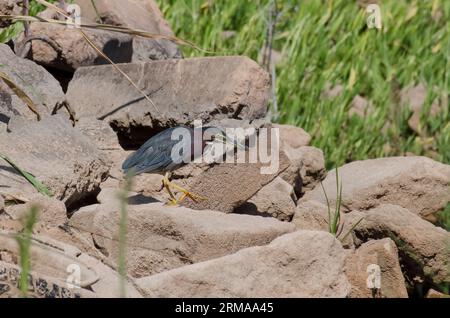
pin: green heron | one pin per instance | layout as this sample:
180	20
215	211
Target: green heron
173	148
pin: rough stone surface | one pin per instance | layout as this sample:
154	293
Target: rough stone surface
181	90
161	238
136	14
75	51
229	185
423	247
312	215
414	97
43	89
51	260
300	264
9	7
51	212
58	155
417	183
307	168
2	203
382	253
293	136
276	199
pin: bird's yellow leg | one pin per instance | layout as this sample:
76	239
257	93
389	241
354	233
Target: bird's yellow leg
186	193
166	183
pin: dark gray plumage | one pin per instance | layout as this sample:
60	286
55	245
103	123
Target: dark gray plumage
155	155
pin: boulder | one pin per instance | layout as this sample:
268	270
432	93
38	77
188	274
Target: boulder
383	256
9	7
276	199
54	264
312	215
414	97
227	186
218	88
300	264
423	247
293	136
161	238
2	203
307	168
140	15
51	212
71	50
360	107
418	184
58	155
41	87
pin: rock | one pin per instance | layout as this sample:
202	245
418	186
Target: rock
307	168
140	15
383	256
73	51
415	97
435	294
331	92
9	7
227	186
418	184
293	136
43	89
51	212
360	107
2	203
161	238
101	134
300	264
59	156
53	264
219	87
312	215
276	199
423	247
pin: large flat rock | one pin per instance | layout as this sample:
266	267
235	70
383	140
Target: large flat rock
423	247
418	184
161	238
182	90
57	154
40	86
136	14
300	264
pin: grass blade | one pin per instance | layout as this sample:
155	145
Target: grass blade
36	184
24	241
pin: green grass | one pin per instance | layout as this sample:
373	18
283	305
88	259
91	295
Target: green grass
24	241
325	42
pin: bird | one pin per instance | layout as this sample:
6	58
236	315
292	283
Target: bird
171	149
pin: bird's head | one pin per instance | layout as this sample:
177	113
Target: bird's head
213	135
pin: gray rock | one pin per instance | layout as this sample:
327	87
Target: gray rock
43	89
416	183
161	238
276	199
57	154
9	7
181	90
383	255
141	15
300	264
74	50
423	247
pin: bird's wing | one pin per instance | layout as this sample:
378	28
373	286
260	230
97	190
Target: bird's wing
148	159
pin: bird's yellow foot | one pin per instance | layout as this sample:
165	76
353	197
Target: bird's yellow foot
173	200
